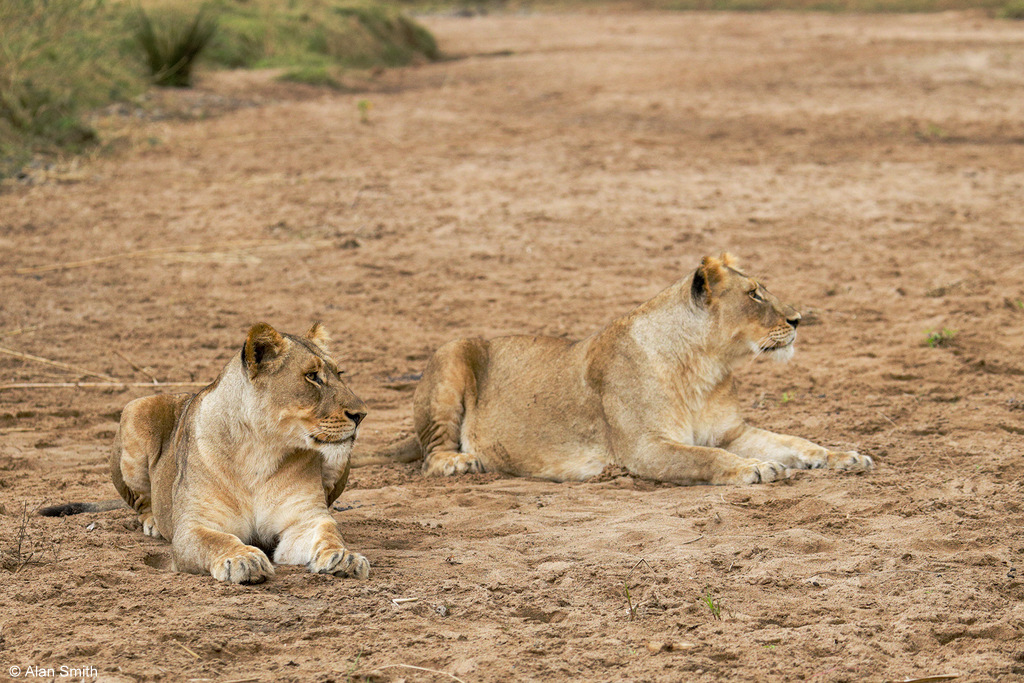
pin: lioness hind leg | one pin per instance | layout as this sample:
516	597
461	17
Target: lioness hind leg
146	425
444	398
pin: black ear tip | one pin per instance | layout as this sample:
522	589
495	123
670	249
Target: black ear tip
698	289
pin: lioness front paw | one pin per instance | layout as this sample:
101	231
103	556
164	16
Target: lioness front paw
248	565
850	461
340	562
450	463
758	472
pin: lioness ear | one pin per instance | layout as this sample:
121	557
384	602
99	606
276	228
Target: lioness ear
319	336
263	349
728	260
709	274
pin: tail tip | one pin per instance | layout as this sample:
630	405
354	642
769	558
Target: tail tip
66	509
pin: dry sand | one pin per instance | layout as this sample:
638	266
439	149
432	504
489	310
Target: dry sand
869	169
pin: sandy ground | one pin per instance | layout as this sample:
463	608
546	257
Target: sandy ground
869	169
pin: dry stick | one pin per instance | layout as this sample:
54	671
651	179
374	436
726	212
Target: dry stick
419	668
57	364
135	367
185	649
17	331
96	385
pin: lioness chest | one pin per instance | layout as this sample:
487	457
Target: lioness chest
254	496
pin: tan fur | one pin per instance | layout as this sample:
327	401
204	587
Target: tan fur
652	392
249	465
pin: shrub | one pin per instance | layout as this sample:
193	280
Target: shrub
173	44
1014	9
316	33
58	63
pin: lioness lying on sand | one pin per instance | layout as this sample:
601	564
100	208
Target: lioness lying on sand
246	468
652	392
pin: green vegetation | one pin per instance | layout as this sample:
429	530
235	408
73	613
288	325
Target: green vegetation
307	36
57	61
60	60
173	44
713	604
940	338
1014	9
364	110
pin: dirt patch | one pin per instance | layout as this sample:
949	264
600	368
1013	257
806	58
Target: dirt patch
869	169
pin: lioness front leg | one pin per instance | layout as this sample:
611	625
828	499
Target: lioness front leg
199	549
318	545
794	452
686	464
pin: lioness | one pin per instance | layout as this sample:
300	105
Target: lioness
247	467
652	392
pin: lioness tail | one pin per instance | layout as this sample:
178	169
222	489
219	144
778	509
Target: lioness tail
406	450
78	508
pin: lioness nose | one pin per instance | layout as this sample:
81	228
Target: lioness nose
794	321
355	415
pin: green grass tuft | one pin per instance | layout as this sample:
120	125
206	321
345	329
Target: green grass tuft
940	338
172	44
713	604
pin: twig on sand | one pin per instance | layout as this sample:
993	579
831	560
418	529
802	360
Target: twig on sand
97	385
185	649
56	364
135	367
402	601
418	668
17	331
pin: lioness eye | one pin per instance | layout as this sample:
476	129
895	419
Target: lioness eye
755	295
314	377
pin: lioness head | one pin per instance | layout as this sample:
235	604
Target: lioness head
298	385
747	317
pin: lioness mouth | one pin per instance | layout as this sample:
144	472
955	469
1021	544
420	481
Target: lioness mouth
323	438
